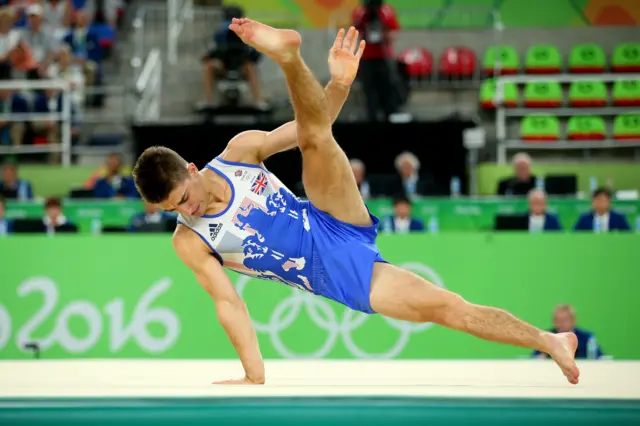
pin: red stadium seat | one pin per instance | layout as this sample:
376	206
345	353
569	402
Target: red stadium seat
418	62
458	62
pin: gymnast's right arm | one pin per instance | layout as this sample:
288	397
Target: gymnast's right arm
230	308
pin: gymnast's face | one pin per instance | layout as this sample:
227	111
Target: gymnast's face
189	197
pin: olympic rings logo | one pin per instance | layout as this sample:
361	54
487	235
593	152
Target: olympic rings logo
325	318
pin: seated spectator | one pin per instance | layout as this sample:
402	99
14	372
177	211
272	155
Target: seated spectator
539	218
411	183
601	218
46	102
40	40
57	16
114	183
11	132
402	221
84	43
5	224
564	321
12	187
106	9
523	181
151	218
229	53
359	171
65	69
9	37
54	220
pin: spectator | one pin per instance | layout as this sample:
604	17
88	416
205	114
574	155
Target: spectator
12	187
402	221
411	183
54	219
94	9
227	54
359	172
65	69
564	321
523	181
47	102
9	38
84	44
378	25
539	218
601	218
114	183
151	215
5	224
57	16
11	132
40	40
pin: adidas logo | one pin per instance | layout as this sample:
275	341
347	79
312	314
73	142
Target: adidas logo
214	229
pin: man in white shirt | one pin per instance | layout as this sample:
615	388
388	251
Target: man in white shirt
44	46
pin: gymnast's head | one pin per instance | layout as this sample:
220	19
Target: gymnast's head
168	181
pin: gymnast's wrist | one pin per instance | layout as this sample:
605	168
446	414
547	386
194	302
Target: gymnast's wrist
339	84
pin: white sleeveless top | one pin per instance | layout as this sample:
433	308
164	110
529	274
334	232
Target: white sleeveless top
264	232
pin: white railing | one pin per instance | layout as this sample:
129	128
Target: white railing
63	117
502	113
148	88
179	13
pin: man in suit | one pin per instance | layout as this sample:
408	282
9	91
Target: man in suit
149	218
359	172
410	181
114	183
402	221
564	321
601	218
523	180
539	218
54	219
11	186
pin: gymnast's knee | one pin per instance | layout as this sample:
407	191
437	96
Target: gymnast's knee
314	138
449	307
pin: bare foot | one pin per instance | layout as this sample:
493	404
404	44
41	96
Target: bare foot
280	45
562	348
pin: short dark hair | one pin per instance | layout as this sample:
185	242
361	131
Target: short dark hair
157	172
401	198
602	191
53	202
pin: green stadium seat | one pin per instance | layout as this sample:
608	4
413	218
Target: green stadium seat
488	93
626	58
626	93
543	94
543	59
587	58
626	127
587	94
540	128
509	60
586	128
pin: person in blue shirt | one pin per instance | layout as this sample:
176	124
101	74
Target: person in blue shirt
601	218
85	45
539	218
13	187
152	215
114	183
402	221
564	321
5	224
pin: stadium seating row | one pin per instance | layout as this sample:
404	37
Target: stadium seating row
539	59
546	59
579	128
623	93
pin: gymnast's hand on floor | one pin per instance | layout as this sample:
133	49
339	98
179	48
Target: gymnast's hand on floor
344	57
245	381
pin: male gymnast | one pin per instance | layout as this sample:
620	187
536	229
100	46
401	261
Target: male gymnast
234	213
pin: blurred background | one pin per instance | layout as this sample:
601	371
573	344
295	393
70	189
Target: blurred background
497	140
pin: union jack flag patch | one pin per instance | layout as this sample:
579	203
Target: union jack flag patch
259	184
